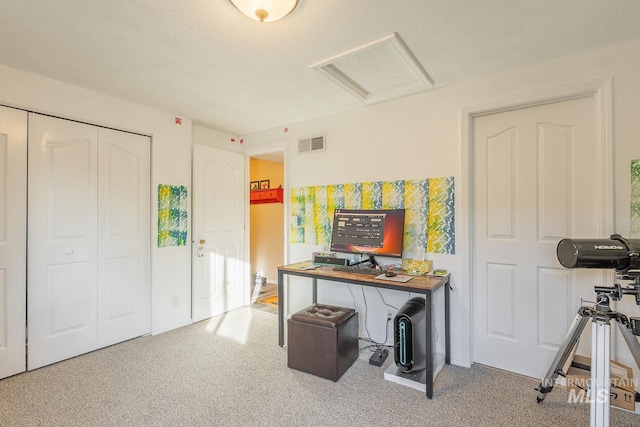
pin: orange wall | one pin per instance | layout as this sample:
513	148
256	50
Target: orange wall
267	223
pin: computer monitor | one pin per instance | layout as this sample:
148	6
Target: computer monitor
371	232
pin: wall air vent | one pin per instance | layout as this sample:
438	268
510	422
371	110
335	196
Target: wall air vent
314	143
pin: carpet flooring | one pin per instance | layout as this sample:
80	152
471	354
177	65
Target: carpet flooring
230	371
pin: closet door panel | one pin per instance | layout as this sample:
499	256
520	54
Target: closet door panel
62	239
13	212
124	228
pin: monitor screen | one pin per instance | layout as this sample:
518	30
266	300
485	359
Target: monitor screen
372	232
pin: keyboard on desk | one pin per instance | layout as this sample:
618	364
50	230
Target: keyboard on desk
357	269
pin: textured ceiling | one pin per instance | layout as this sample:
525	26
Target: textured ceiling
204	60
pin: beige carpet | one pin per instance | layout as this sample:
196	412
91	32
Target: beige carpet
229	371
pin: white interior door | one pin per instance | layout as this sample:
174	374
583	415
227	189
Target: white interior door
13	240
535	183
124	228
219	265
62	239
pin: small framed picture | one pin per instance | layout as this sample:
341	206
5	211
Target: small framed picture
264	184
254	185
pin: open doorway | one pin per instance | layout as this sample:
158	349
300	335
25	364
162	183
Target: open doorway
266	237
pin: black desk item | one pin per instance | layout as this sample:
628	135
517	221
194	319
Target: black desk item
425	285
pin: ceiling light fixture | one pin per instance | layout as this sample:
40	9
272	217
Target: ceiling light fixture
265	10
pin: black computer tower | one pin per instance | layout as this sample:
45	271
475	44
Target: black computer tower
409	328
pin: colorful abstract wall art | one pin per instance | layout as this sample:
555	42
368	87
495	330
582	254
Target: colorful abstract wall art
428	204
635	199
172	215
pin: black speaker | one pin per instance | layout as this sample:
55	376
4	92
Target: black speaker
409	332
317	259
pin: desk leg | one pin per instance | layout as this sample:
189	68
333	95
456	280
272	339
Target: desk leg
280	308
447	321
314	294
429	355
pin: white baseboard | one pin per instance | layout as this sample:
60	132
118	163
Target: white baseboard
171	327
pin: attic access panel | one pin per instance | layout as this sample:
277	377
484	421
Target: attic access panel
381	70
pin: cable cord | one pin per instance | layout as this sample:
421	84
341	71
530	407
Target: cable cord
384	302
368	338
386	329
364	321
366	315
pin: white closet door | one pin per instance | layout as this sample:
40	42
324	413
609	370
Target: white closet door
123	236
13	213
62	239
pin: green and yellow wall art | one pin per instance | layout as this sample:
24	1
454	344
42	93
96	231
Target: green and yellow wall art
428	204
172	215
635	198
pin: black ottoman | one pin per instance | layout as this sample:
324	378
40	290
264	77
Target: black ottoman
323	340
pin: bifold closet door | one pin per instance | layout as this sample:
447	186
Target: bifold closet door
124	233
88	238
62	273
13	235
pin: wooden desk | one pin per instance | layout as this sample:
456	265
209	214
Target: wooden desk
425	285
